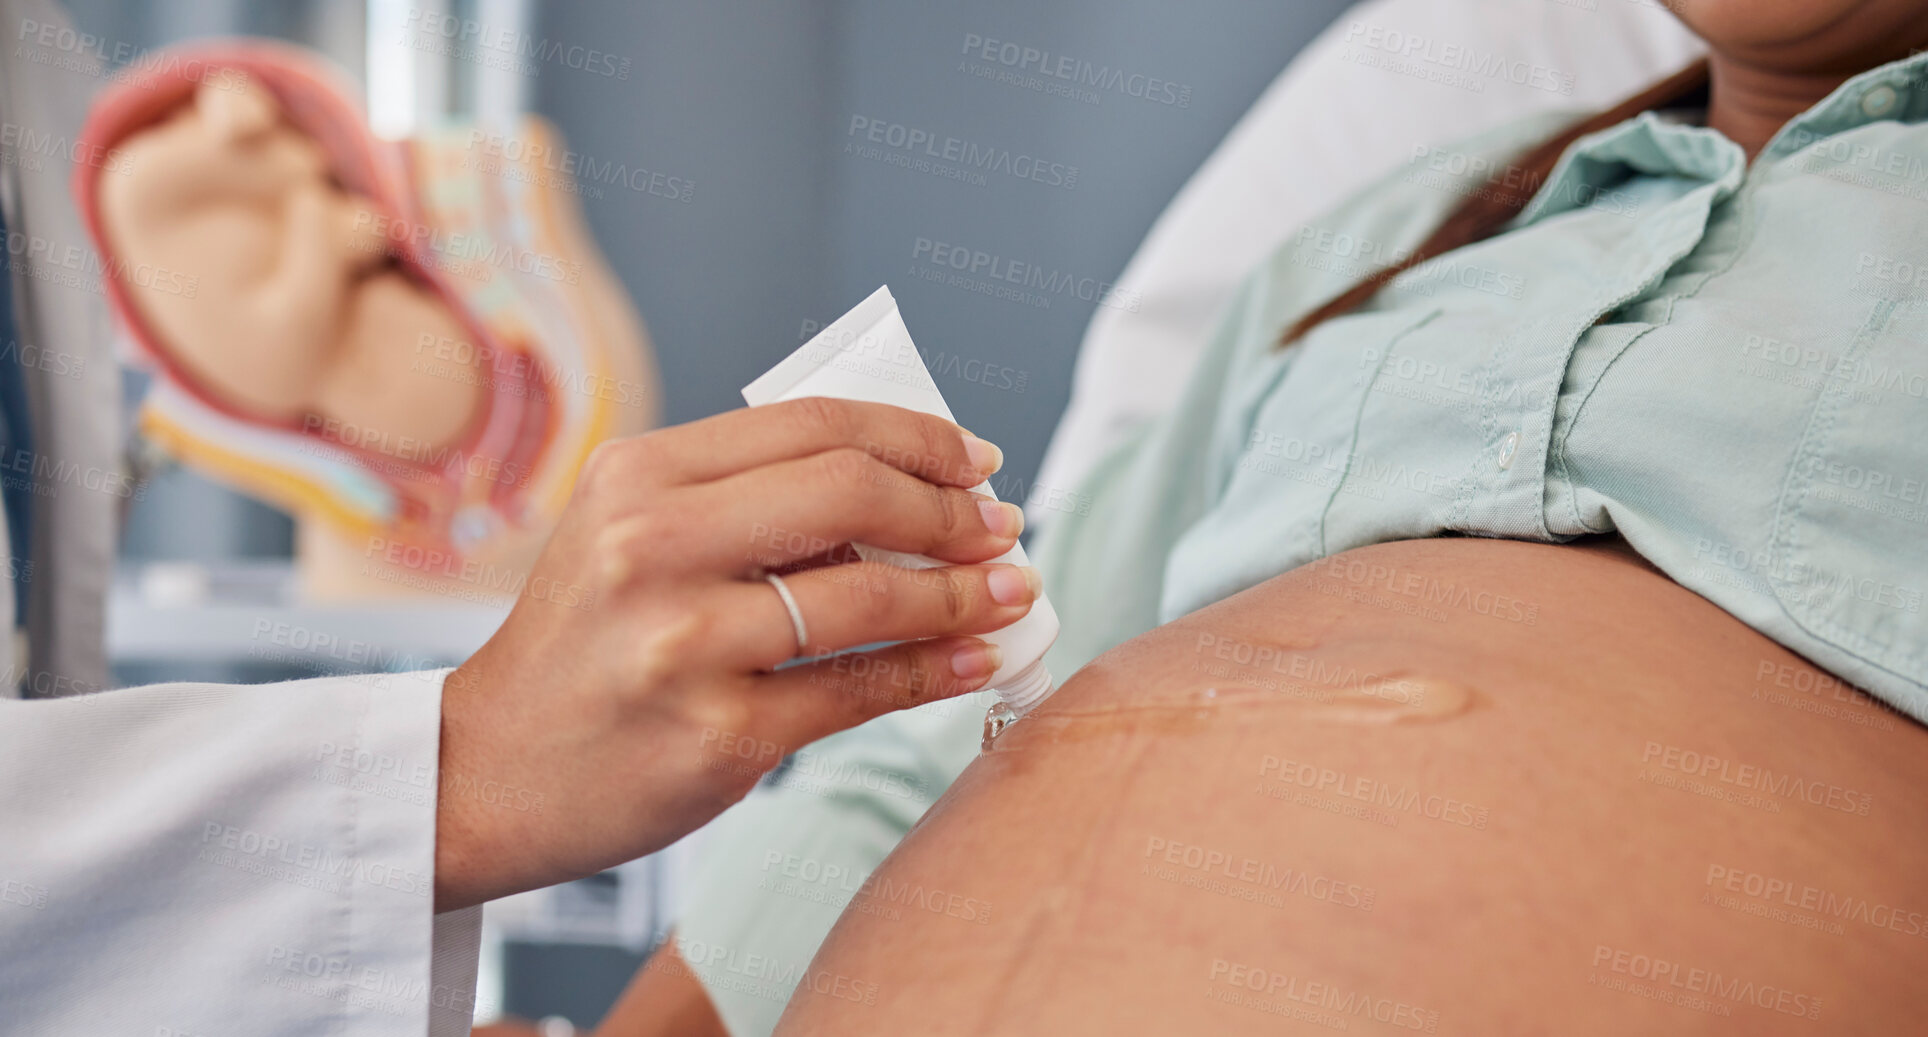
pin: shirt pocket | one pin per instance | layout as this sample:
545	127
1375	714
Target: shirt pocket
1851	532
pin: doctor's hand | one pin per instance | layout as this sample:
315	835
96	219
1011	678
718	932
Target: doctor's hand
630	695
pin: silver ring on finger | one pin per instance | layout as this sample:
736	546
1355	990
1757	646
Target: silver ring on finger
797	625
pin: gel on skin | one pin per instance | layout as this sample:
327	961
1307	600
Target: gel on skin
867	354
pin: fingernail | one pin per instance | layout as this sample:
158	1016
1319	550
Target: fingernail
1002	519
975	661
1013	584
984	455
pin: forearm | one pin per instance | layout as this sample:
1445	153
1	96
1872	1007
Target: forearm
494	805
664	999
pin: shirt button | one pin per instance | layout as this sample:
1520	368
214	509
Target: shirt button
1509	447
1878	101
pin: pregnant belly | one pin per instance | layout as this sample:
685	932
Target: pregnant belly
1448	785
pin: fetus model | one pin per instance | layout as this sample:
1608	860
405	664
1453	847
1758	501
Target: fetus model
412	346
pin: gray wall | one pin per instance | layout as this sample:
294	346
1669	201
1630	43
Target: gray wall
755	101
731	95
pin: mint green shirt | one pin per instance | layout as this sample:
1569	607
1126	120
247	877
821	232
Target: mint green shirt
1727	365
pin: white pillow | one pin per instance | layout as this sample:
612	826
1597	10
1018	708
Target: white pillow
1386	76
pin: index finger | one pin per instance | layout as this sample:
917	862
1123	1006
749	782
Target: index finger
924	445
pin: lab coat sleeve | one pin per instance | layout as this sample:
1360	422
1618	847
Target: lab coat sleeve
201	859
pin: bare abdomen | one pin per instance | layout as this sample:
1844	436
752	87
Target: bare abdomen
1453	786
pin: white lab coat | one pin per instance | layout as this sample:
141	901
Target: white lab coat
185	859
204	859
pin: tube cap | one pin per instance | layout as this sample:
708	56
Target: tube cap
1029	687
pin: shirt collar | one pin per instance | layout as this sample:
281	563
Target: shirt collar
1647	145
1892	92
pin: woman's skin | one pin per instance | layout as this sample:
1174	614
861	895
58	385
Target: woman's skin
664	999
1499	831
1771	60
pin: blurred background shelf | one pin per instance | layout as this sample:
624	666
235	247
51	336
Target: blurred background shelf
252	612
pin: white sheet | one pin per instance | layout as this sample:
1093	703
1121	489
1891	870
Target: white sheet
1334	121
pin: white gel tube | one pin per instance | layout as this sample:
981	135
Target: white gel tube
867	354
